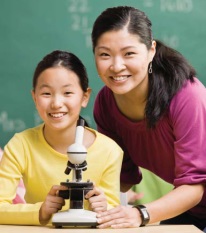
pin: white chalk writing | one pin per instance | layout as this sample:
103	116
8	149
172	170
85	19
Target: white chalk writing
11	125
184	6
78	11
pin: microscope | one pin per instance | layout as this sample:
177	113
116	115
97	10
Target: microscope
76	215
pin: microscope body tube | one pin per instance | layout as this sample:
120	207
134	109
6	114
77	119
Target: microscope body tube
77	152
79	134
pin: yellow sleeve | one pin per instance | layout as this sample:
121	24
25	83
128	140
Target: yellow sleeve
110	182
11	169
105	168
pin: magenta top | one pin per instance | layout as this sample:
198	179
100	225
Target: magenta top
175	149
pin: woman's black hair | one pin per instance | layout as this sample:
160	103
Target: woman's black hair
170	72
170	68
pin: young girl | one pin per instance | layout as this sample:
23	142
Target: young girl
154	107
39	155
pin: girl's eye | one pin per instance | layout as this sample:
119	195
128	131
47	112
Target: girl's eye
104	55
46	93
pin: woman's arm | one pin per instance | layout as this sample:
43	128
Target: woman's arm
175	202
172	204
125	187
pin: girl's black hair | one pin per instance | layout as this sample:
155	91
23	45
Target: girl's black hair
67	60
64	59
85	122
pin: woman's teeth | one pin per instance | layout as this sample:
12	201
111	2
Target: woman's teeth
120	78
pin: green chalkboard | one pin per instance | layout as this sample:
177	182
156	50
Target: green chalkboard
29	29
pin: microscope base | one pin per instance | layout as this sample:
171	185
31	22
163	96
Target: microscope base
75	218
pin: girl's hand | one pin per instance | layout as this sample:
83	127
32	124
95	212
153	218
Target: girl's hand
52	204
97	200
132	196
119	217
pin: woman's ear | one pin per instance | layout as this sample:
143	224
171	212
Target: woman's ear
153	50
86	97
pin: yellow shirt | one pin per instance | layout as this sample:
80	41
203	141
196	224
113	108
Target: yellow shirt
28	156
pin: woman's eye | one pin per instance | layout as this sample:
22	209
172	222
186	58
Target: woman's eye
130	53
68	92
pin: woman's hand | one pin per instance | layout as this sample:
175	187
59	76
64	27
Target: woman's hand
97	200
119	217
52	204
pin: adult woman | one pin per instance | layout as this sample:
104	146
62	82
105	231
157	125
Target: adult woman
155	109
39	155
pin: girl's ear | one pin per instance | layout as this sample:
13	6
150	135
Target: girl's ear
86	97
33	96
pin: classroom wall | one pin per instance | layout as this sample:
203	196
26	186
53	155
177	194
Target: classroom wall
29	29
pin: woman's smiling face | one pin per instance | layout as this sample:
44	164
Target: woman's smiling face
122	61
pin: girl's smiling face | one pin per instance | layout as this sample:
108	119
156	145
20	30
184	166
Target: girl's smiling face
122	61
59	97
